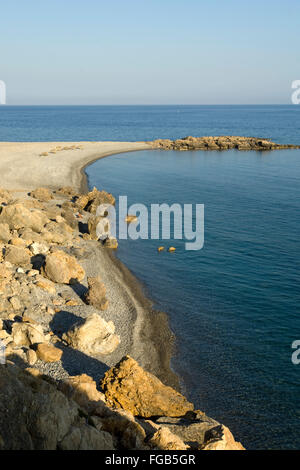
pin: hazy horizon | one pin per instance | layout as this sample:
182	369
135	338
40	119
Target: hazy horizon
149	53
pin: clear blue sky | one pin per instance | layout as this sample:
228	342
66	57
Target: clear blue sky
149	51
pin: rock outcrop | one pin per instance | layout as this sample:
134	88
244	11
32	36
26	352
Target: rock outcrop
34	415
219	143
129	387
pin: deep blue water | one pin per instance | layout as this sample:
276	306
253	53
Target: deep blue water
130	123
234	305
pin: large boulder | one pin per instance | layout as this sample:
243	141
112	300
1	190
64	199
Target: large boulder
128	386
18	216
96	294
93	336
63	268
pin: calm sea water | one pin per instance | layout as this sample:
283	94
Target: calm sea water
234	305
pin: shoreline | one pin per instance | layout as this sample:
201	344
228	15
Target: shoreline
151	341
135	336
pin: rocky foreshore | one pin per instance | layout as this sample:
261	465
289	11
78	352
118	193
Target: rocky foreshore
219	143
79	364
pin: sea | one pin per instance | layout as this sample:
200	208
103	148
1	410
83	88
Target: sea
234	305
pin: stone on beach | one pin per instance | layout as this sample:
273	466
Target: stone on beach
48	353
129	387
17	255
18	216
45	284
26	334
96	294
5	234
42	194
63	268
91	201
93	336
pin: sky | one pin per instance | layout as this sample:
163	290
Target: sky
149	51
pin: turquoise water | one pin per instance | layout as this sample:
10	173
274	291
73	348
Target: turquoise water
234	305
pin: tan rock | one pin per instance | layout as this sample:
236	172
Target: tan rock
4	334
18	216
31	357
17	255
131	219
93	336
45	284
91	201
96	294
15	303
48	353
18	242
129	387
63	268
111	243
5	271
163	439
122	425
83	390
220	438
5	234
25	334
42	194
39	248
5	196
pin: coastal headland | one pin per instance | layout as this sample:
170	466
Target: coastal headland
82	350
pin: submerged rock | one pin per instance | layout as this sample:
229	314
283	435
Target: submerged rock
219	143
128	386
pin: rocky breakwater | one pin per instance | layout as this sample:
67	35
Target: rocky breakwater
219	143
61	335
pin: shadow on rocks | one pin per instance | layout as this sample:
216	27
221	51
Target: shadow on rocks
75	362
78	288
